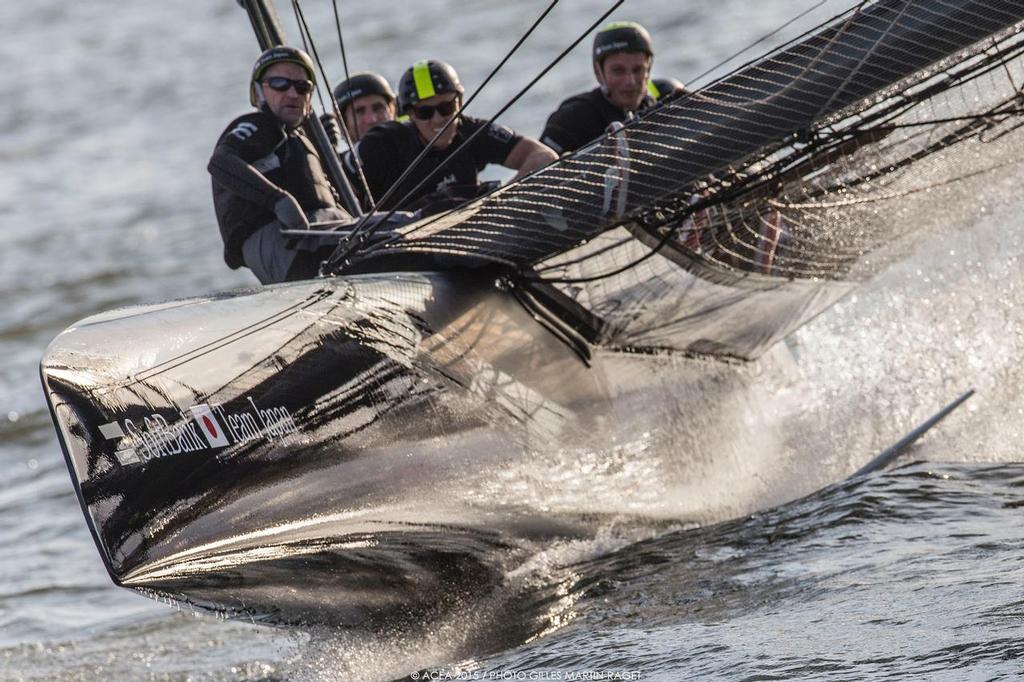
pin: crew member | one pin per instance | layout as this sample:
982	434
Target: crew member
430	93
364	100
267	175
622	58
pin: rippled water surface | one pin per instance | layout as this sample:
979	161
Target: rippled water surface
110	113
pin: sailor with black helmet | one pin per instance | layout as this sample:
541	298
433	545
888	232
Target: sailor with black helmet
622	56
364	100
268	176
430	94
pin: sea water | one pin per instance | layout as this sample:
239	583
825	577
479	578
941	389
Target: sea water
110	113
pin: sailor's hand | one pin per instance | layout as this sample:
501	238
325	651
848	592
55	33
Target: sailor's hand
290	214
331	127
402	217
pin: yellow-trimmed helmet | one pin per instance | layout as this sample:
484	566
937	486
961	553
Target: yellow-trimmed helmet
660	88
423	80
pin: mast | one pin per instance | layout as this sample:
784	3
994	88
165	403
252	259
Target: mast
267	27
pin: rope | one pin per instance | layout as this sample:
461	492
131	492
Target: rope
368	196
307	42
343	250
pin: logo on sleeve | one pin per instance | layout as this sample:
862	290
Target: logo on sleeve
244	130
500	133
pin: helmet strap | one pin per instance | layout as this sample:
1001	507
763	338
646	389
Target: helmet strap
599	74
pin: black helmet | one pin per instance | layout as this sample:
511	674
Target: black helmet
360	84
276	55
662	88
425	79
622	36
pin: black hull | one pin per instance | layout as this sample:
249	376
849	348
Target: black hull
343	430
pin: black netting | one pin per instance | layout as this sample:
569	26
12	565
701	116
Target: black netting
721	221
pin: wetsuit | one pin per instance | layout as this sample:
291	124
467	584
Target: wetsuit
583	118
389	148
257	161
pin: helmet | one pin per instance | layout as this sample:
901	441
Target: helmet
622	36
425	79
276	55
661	88
360	84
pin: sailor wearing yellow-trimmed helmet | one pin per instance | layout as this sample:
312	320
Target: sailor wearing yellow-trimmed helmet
425	79
430	96
427	88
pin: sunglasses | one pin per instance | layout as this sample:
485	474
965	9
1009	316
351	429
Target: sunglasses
281	84
425	112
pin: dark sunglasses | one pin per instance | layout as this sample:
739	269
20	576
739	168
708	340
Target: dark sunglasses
425	112
281	84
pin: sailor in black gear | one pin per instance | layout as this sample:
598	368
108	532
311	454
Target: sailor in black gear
364	100
622	58
267	175
430	94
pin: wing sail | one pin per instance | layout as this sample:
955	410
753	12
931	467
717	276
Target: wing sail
721	221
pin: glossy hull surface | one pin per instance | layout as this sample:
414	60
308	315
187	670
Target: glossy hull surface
325	450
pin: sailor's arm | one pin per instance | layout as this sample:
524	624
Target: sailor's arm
561	130
529	155
236	175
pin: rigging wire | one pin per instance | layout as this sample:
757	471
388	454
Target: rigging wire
308	44
824	146
882	128
368	196
360	235
345	248
1000	114
341	39
760	40
669	234
426	150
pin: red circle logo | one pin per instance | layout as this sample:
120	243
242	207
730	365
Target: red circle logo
210	428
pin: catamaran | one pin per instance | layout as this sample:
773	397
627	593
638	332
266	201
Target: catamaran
332	449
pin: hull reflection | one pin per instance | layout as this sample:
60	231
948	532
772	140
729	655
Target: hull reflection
315	451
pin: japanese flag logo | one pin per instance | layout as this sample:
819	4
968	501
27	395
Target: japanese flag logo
212	431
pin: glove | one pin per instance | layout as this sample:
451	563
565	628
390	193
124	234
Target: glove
290	214
331	127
